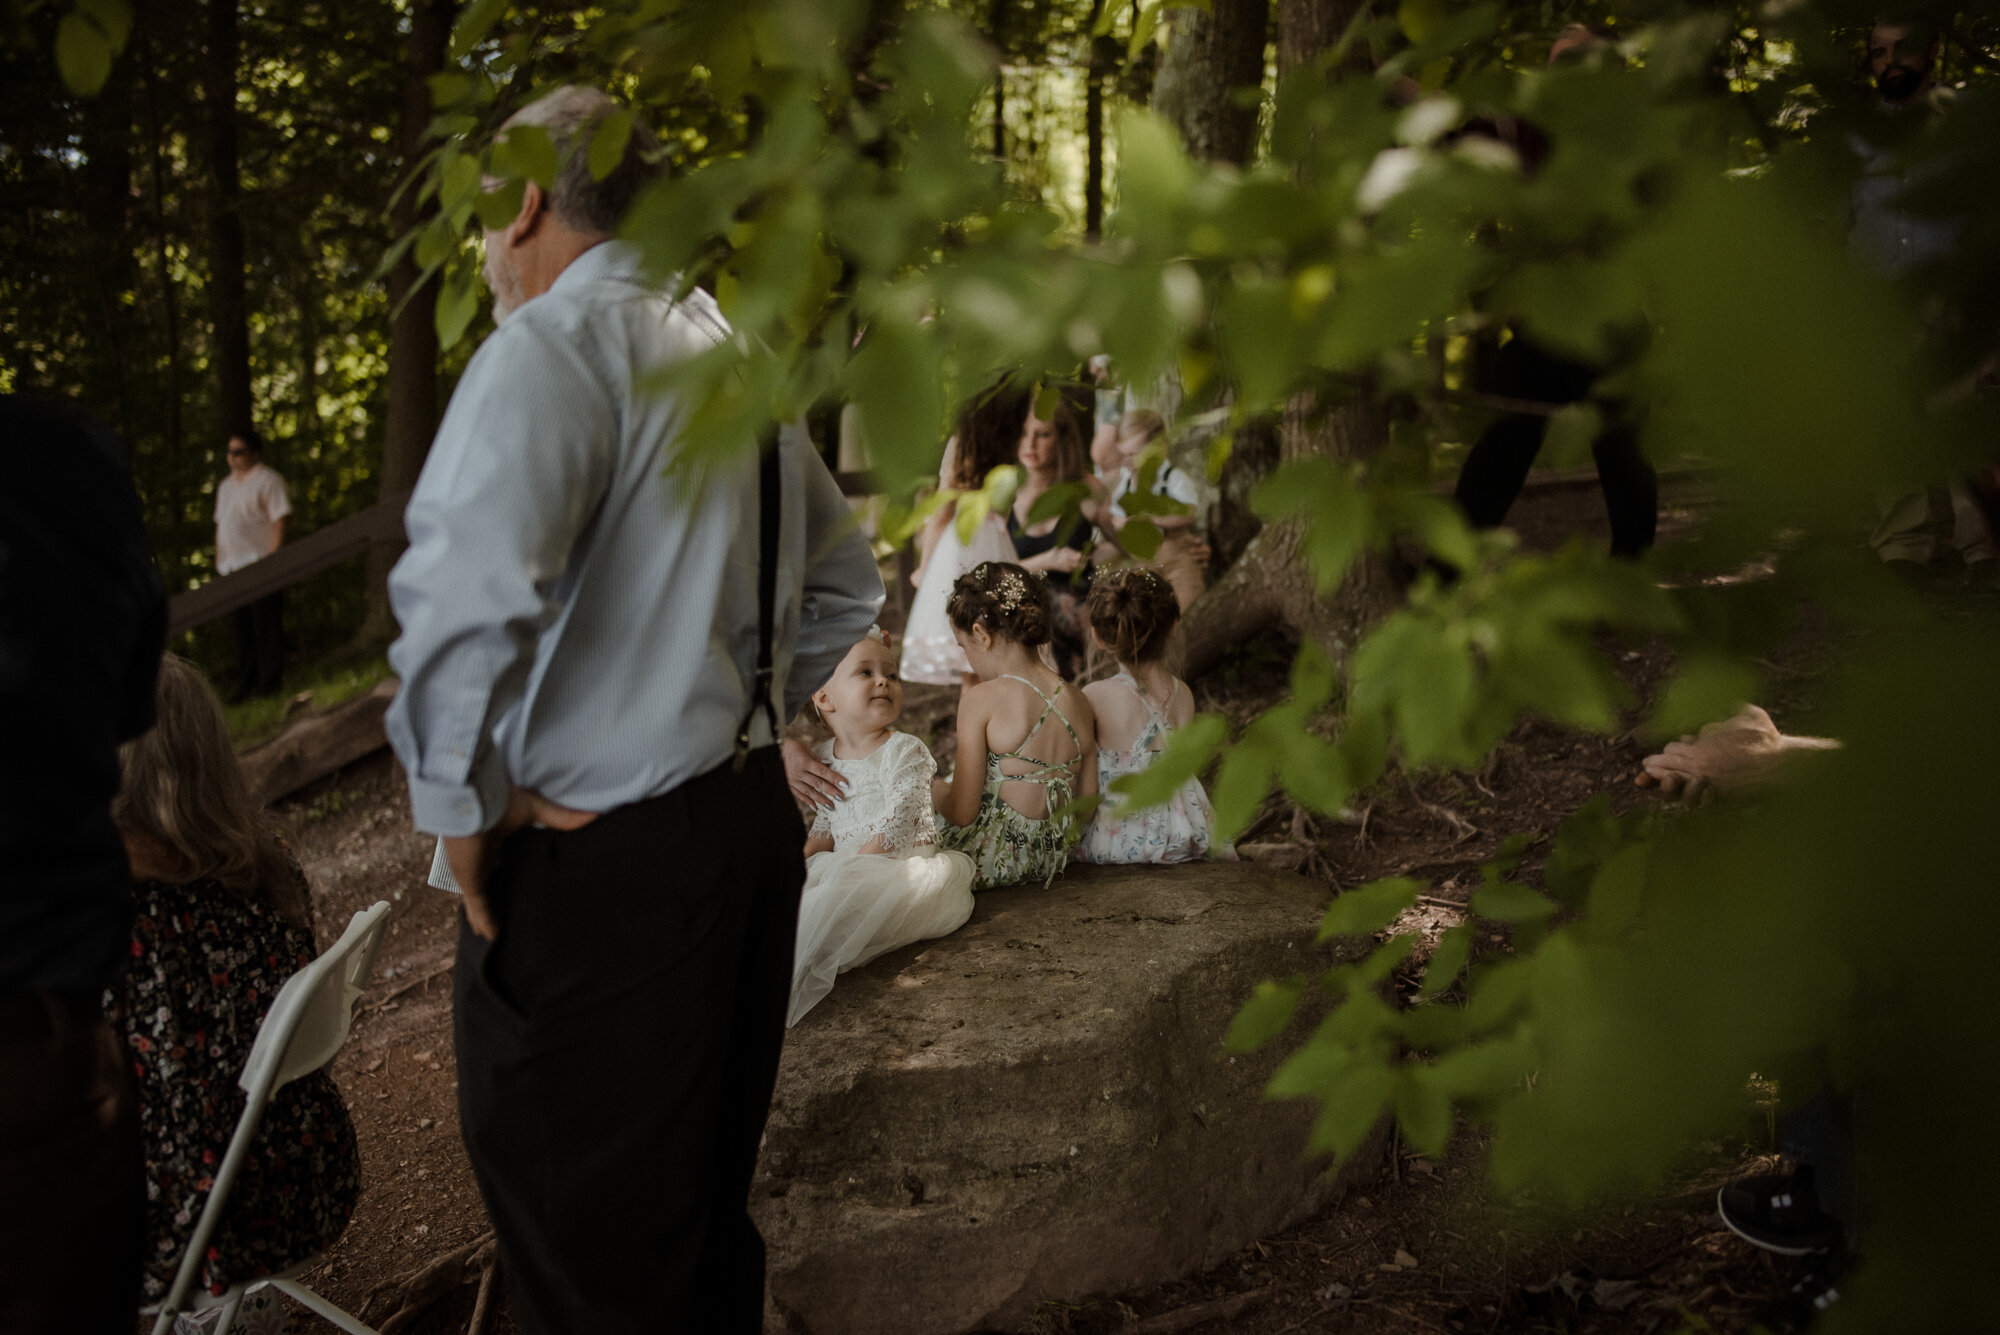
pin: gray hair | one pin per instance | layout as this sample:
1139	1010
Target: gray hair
571	116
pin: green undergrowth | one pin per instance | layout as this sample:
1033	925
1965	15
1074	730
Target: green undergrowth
307	688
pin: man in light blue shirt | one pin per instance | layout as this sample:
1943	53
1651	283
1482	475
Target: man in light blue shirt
580	614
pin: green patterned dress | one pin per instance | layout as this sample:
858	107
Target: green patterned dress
1007	847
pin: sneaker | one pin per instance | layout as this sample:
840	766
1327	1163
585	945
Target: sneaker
1778	1212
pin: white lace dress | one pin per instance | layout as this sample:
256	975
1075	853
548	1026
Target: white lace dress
930	654
859	905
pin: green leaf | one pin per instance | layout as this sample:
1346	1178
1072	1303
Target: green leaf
1143	28
113	18
1318	1066
1313	771
1382	960
973	507
1268	1011
1508	901
458	182
1367	909
1573	429
1313	676
896	380
1705	687
458	302
1423	1111
1618	892
1141	537
1481	1071
1447	959
1187	753
1494	993
607	142
1350	1108
83	55
1061	498
528	152
473	25
497	208
1240	786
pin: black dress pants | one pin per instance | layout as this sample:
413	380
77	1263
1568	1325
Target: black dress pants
617	1050
1498	464
71	1173
260	645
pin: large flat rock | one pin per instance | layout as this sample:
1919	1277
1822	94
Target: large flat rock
1039	1107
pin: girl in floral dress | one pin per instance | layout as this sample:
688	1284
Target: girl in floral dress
1027	740
875	878
223	920
1133	612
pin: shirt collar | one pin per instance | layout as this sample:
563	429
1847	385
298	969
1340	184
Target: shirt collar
606	259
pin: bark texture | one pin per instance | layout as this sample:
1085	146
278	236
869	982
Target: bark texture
1271	583
228	303
1213	54
412	416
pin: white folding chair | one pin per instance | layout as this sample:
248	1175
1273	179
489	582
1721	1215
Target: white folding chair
301	1032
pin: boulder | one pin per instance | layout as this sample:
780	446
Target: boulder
1039	1107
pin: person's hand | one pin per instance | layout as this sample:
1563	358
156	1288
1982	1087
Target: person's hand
1728	756
1060	559
472	857
811	782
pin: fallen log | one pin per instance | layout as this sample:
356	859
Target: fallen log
317	746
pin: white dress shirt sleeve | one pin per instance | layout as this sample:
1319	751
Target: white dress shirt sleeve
520	464
843	586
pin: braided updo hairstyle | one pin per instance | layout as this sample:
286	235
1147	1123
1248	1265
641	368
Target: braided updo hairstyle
1012	603
1134	611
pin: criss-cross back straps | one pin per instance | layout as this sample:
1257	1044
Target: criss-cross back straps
1048	707
1158	721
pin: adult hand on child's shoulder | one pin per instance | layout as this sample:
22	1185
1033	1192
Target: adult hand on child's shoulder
811	780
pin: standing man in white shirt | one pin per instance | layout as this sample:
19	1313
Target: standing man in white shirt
250	512
601	622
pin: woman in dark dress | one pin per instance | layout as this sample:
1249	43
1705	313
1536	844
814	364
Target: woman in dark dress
1052	453
223	920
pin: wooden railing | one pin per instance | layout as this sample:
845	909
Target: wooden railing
381	522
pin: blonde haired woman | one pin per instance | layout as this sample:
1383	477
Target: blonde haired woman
223	919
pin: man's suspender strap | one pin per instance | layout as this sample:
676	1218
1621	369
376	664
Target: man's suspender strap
770	490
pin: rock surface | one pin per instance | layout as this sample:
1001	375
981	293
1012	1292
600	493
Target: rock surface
1039	1107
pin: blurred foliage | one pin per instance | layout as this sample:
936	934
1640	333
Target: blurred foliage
833	184
1697	189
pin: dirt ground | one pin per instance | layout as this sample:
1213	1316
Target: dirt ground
1428	1247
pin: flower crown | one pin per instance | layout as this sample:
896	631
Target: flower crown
877	634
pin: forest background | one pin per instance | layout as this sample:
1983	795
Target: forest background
892	199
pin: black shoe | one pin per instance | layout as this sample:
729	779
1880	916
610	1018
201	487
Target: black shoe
1778	1212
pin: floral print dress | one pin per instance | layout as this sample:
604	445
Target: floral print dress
1008	847
1177	830
206	965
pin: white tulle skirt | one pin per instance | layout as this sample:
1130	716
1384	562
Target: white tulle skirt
930	654
860	905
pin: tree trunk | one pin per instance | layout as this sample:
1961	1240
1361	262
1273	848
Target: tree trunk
1271	582
1103	52
170	303
1213	54
412	416
228	306
997	34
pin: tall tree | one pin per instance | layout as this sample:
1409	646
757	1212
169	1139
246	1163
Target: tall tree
411	419
1214	53
1272	582
228	302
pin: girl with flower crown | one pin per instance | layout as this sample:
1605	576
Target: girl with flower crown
1027	740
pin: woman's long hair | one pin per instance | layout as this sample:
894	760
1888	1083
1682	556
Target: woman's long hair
183	788
989	433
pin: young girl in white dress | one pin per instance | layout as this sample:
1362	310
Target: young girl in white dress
1027	743
1133	612
987	430
875	877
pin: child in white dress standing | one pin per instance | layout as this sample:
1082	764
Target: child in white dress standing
1133	612
987	429
875	877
